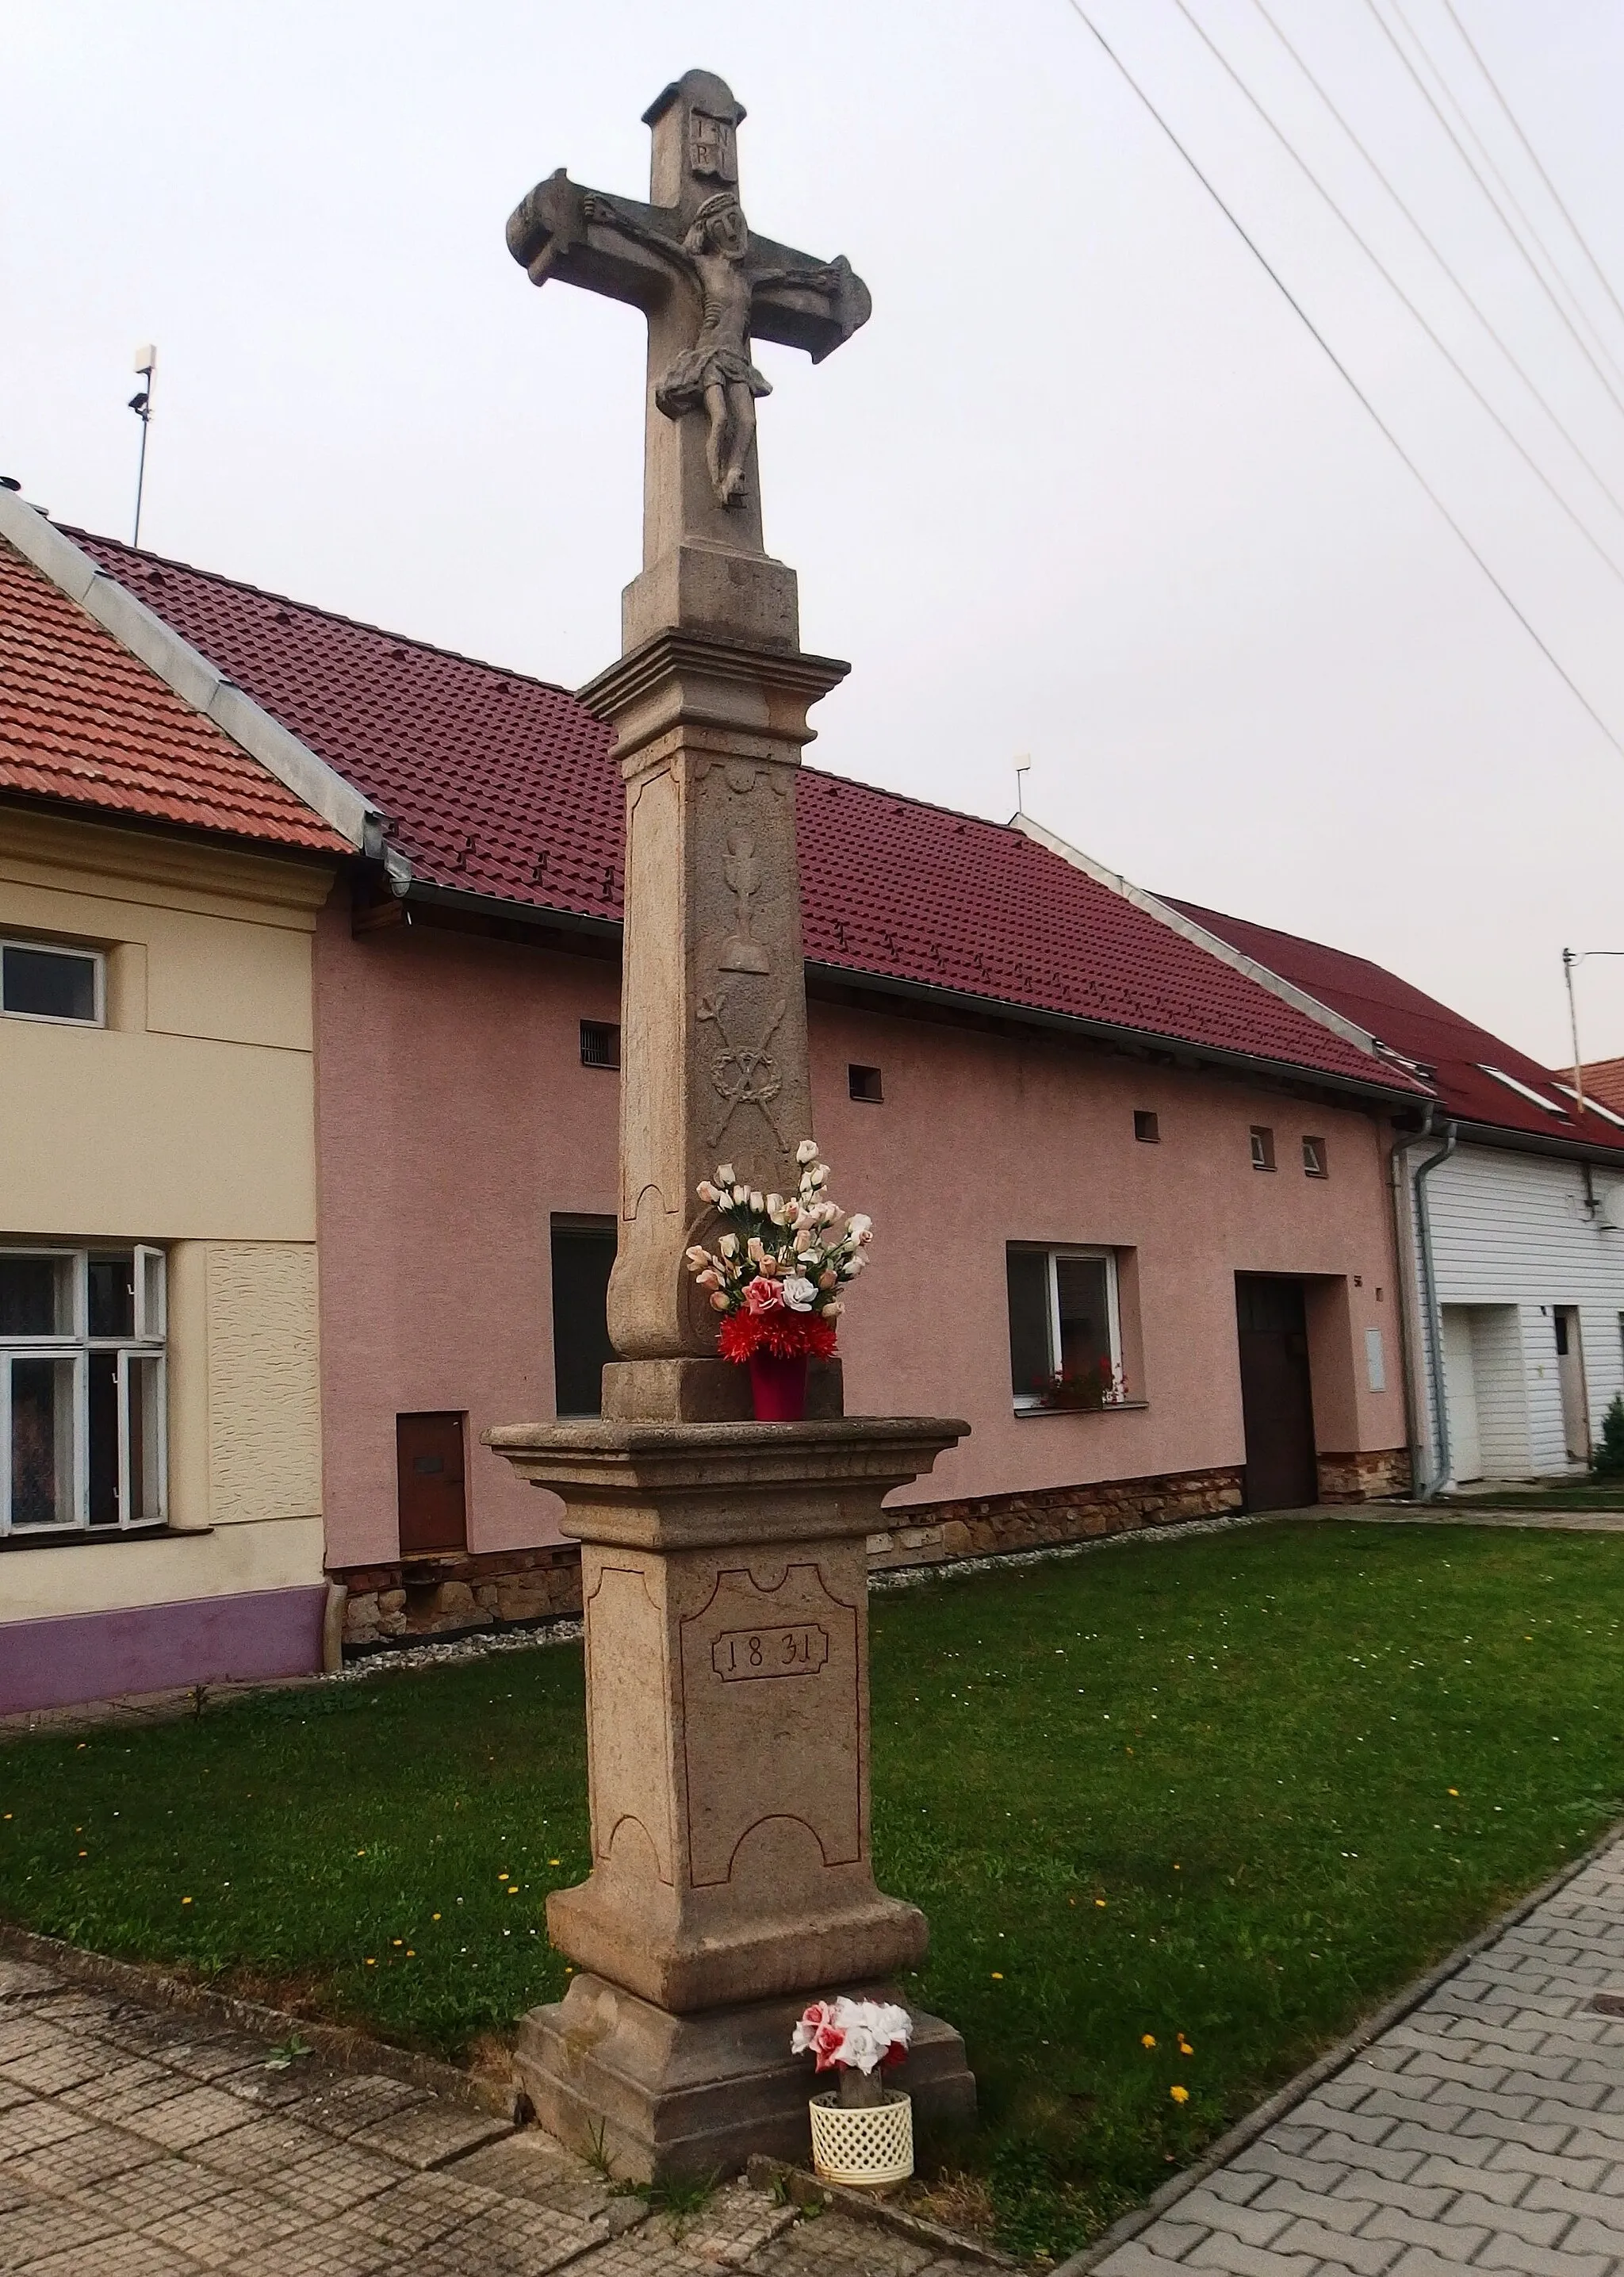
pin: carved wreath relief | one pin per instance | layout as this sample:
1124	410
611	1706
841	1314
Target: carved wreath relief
745	1074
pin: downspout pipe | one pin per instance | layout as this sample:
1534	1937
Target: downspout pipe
1432	1317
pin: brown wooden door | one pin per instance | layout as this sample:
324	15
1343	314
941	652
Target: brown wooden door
1277	1397
433	1511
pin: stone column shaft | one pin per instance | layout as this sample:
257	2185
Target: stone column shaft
709	734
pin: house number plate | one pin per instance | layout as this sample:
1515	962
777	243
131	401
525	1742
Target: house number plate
740	1653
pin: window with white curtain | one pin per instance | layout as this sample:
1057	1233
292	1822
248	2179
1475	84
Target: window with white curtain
82	1394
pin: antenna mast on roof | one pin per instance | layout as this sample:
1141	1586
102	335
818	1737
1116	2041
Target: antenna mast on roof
1023	768
140	404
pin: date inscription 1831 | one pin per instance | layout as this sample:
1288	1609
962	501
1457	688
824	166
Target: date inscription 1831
741	1653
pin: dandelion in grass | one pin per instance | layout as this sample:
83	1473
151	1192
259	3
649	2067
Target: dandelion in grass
1180	2094
1147	2039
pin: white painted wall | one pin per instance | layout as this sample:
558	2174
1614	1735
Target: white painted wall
1511	1240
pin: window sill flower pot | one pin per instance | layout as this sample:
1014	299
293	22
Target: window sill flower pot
865	2147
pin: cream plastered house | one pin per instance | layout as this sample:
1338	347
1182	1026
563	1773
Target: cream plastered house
161	1485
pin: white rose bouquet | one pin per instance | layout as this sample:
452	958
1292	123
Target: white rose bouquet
857	2038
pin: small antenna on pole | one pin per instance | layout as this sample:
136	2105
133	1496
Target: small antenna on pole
1023	768
140	404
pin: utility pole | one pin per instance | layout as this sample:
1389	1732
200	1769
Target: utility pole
140	404
1570	959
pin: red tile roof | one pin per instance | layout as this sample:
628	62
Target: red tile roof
81	720
1421	1028
503	786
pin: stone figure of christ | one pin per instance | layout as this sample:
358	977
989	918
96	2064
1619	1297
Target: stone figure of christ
716	375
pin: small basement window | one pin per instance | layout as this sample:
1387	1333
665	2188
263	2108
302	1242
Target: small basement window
864	1083
1314	1159
1263	1147
1147	1127
83	1421
52	984
1064	1332
600	1044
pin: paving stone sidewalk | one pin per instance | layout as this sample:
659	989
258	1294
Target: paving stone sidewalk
1486	2130
136	2141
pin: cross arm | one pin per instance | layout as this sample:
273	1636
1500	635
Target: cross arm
803	303
553	233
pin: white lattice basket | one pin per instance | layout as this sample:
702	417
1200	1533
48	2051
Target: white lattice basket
869	2145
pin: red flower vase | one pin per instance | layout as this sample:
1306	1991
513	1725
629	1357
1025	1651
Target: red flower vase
778	1387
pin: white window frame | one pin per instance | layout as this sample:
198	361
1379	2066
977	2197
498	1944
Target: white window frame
95	958
1591	1106
1524	1090
148	1342
1033	1402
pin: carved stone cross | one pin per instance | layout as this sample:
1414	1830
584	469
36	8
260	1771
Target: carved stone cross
707	285
724	1565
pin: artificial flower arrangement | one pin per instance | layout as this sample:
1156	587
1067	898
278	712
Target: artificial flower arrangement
858	2039
779	1267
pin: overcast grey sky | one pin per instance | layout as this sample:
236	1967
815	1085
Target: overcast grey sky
1084	488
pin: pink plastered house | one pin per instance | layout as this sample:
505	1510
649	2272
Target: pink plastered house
1132	1191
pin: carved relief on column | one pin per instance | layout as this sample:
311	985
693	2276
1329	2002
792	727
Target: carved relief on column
628	1740
789	1632
749	995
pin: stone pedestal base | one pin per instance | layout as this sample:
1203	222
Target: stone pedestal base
664	2096
724	1584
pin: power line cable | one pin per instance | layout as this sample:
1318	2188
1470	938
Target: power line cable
1262	258
1470	164
1443	262
1602	278
1371	254
1558	273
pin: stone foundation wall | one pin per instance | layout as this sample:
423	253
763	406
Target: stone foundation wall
438	1596
435	1597
1374	1475
990	1524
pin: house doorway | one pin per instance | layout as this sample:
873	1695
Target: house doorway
1277	1395
1466	1457
1570	1374
429	1469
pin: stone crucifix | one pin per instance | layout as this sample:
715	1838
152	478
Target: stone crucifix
724	1560
708	704
707	286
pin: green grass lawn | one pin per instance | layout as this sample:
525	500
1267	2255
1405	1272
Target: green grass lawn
1236	1788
